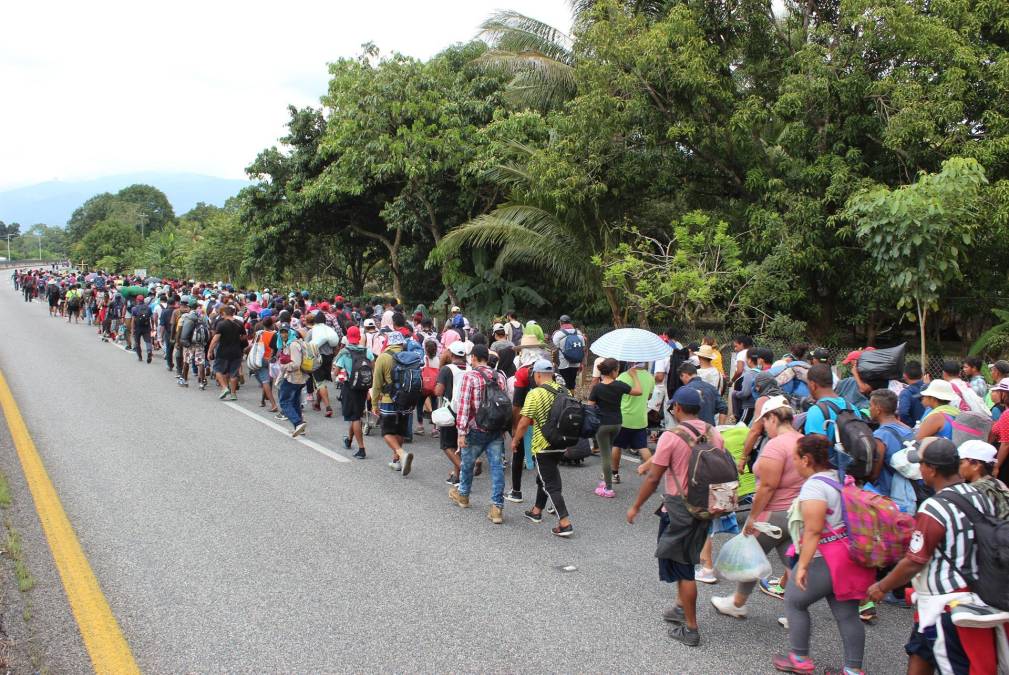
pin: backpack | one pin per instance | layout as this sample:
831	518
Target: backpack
142	321
516	334
257	353
201	332
590	421
360	370
854	444
573	346
495	411
878	531
712	478
428	380
578	452
563	426
406	381
310	357
990	545
796	389
459	324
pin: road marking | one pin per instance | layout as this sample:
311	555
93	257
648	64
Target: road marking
321	449
99	629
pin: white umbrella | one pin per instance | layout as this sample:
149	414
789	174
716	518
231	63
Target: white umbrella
631	344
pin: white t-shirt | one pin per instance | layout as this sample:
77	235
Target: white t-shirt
736	358
711	376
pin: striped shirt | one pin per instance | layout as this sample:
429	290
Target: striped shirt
941	528
537	408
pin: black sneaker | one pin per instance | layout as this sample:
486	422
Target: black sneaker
616	477
346	442
681	633
452	480
565	531
514	496
534	517
360	454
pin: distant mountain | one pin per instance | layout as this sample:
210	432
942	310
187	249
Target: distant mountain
52	202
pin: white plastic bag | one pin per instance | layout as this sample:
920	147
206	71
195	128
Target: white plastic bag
742	559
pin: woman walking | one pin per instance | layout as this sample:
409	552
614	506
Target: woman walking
606	396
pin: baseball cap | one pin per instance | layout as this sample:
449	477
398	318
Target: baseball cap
457	348
543	366
979	450
820	354
284	327
193	302
938	452
455	308
324	305
369	323
565	318
1003	384
338	298
498	328
354	335
686	396
774	403
1001	365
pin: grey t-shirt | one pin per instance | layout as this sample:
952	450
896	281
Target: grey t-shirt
818	490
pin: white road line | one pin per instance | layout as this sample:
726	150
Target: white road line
322	450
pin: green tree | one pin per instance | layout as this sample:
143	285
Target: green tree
109	244
918	235
152	206
221	249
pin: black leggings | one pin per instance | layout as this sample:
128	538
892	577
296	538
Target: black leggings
548	482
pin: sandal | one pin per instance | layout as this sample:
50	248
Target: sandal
329	411
273	410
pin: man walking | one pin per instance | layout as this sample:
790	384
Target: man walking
141	320
393	420
570	344
483	415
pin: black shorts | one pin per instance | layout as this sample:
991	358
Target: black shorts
325	371
229	367
448	438
353	402
631	439
395	424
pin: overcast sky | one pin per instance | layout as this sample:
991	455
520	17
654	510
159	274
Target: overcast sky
97	88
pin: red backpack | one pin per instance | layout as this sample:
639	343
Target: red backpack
428	380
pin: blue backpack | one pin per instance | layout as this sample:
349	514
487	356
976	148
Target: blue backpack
795	390
573	346
459	324
407	382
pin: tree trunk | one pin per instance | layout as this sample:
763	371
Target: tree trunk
435	228
611	300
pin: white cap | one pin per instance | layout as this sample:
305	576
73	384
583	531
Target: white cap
498	327
774	403
457	348
456	309
369	323
979	450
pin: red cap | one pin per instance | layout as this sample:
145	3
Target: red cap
354	335
324	306
338	298
853	355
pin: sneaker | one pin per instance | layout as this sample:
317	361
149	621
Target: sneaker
298	430
783	622
565	531
688	636
360	454
604	491
182	383
705	575
534	517
551	510
461	500
233	397
969	615
453	480
149	358
407	463
867	612
347	442
495	515
203	386
280	416
616	478
772	587
844	671
514	496
223	395
791	663
673	614
727	605
395	465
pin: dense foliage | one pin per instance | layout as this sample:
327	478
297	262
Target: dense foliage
702	161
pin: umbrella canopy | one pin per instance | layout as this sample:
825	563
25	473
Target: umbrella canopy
633	345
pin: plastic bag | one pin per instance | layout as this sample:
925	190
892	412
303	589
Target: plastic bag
742	559
882	364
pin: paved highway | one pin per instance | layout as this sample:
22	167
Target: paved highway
222	544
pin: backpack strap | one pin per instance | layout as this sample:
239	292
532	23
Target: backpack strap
973	515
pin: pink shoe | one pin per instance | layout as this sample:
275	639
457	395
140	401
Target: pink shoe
793	664
603	491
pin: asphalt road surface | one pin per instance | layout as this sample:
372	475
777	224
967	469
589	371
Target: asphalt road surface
222	544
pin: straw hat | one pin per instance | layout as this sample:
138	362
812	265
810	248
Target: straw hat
707	352
529	340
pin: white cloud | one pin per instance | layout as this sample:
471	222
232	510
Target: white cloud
106	87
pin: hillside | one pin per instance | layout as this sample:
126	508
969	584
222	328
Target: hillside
52	202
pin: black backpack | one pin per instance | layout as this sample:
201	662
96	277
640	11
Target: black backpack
360	370
991	546
854	444
712	488
563	427
495	411
143	319
676	359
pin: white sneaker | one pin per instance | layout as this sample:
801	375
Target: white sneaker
705	575
727	605
783	622
395	466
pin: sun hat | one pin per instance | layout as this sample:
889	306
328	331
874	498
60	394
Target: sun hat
774	403
940	389
706	352
543	366
979	450
528	341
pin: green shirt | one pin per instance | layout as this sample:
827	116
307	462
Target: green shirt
634	409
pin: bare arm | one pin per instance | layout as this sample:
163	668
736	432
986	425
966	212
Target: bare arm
814	515
930	426
520	432
636	388
768	478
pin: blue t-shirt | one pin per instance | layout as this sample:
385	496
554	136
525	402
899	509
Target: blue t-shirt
817	424
909	406
893	435
996	412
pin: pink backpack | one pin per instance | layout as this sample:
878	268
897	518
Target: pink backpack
878	531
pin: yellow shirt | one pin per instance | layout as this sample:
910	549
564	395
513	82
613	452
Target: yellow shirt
537	408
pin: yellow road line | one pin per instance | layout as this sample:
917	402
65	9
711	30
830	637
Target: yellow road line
99	629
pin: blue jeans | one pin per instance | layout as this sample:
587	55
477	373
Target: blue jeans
478	442
289	401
